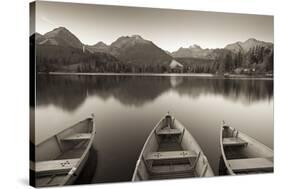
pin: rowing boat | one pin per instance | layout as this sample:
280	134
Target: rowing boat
241	154
170	151
60	159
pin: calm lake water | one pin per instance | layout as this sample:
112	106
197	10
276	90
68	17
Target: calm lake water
128	107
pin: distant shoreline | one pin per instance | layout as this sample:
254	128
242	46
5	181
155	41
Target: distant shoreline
230	76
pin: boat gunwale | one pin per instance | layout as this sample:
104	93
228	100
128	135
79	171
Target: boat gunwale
62	131
144	147
82	158
186	130
229	170
202	154
244	136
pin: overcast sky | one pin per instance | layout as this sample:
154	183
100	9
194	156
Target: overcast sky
169	29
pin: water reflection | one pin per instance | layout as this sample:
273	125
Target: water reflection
237	90
69	92
128	107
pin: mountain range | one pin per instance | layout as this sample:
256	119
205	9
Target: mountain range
136	50
247	45
61	50
195	51
59	37
98	47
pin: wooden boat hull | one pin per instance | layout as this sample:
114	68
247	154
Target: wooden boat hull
171	152
60	159
241	154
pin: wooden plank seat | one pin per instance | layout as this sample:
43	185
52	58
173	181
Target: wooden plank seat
169	132
55	166
160	176
171	155
233	141
78	136
171	169
251	164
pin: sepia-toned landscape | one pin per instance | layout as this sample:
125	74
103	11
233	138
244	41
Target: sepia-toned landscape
60	50
133	94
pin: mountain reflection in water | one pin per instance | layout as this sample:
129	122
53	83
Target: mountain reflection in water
128	107
69	92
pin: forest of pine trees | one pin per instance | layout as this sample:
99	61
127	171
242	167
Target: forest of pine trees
258	60
51	58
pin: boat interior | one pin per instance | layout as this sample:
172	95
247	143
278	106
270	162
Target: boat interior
171	152
58	155
244	154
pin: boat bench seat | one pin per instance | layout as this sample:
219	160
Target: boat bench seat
251	164
169	132
171	169
233	141
55	166
171	155
78	136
